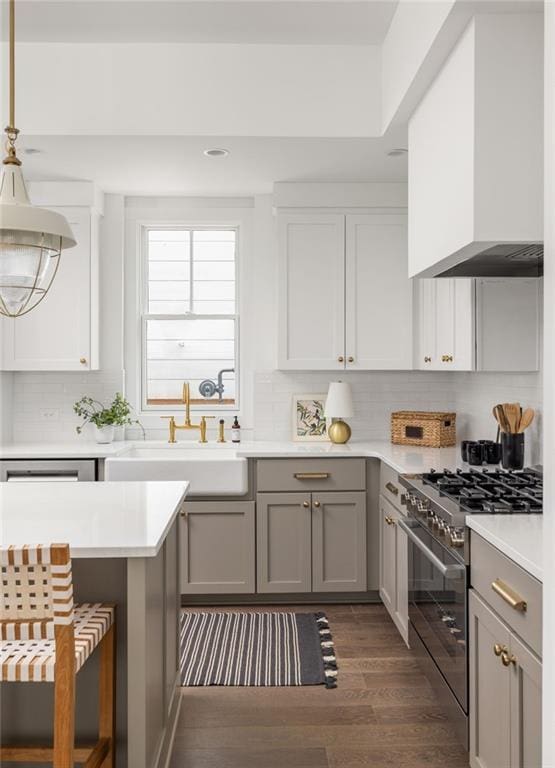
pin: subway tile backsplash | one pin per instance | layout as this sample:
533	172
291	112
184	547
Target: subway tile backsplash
42	403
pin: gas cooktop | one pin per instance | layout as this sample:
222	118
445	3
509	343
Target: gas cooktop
489	491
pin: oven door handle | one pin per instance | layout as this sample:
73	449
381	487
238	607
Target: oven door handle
449	571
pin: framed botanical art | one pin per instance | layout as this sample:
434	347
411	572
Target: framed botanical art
309	422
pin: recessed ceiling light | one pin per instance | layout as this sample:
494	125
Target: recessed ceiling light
397	152
216	152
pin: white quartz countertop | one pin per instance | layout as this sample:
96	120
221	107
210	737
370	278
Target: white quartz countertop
405	459
127	519
519	537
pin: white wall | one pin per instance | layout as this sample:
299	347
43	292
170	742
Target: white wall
6	407
224	90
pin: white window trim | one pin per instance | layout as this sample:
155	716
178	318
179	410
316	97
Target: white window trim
239	218
145	316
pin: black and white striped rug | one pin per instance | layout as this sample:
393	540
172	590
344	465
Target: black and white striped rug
257	649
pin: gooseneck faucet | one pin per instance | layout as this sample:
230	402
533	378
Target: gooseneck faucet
173	427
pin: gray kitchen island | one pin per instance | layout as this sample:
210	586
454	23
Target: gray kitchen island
124	547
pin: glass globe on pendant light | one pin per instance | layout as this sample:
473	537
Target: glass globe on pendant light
31	238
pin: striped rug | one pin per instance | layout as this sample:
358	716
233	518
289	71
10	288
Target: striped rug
257	649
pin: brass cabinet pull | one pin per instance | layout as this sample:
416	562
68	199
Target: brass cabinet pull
427	359
350	359
447	358
509	595
507	659
316	503
499	649
306	504
311	475
392	489
389	520
340	359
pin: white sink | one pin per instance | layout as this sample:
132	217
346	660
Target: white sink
212	470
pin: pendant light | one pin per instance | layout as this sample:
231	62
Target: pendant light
31	238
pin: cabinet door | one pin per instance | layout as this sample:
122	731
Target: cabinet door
339	542
401	617
526	703
454	324
58	334
508	324
378	293
311	292
426	332
388	557
283	535
218	547
490	688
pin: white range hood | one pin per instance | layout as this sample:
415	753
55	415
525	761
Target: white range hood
476	155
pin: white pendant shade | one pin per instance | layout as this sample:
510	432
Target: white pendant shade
339	402
31	240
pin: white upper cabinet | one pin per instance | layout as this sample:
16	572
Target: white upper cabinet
483	324
345	299
475	146
311	292
61	334
378	295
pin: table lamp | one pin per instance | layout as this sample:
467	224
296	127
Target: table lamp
339	405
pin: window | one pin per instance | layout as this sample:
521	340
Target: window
190	316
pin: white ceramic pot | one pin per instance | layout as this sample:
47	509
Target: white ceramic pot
104	434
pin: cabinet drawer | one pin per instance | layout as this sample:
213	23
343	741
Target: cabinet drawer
509	589
311	474
390	488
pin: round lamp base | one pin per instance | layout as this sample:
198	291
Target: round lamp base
339	432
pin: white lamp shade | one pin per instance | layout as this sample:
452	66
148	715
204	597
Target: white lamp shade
339	402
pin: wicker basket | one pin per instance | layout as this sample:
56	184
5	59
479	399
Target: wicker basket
432	430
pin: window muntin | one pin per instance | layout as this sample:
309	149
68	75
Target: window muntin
190	323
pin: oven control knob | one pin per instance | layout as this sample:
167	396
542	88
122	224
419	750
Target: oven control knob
457	537
423	505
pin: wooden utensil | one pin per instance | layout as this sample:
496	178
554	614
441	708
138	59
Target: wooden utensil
526	419
500	417
512	414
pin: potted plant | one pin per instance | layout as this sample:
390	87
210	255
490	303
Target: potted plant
105	419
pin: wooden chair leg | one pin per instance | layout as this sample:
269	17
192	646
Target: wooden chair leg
64	698
107	694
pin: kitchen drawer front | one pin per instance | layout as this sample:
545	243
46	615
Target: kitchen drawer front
390	488
504	584
311	474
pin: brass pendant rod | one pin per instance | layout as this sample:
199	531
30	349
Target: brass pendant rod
12	65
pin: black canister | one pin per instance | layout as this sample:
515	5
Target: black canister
512	449
475	453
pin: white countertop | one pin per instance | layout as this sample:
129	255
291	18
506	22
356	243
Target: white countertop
402	458
128	519
517	536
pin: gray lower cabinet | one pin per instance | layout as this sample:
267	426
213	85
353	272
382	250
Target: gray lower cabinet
311	542
505	693
394	567
218	547
284	546
339	542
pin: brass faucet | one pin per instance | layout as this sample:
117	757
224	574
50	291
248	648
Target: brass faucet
187	424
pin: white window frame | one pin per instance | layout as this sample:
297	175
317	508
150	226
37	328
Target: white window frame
145	316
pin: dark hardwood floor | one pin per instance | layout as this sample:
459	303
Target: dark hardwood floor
383	712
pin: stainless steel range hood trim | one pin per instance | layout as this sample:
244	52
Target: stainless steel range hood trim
487	259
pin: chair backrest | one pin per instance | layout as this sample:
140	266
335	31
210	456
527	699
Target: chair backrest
36	592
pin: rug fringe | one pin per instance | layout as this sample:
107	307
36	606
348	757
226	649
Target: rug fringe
328	650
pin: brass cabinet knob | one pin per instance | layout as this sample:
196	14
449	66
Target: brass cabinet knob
350	359
306	504
83	360
316	503
499	649
340	359
507	659
389	520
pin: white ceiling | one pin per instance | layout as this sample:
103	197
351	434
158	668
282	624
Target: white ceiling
311	22
176	165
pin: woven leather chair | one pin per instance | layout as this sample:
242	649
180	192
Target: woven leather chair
44	637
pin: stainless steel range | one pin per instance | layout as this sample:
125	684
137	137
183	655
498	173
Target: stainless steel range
439	554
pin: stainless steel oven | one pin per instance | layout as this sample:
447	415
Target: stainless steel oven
438	617
42	470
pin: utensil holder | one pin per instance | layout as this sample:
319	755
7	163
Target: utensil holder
512	450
